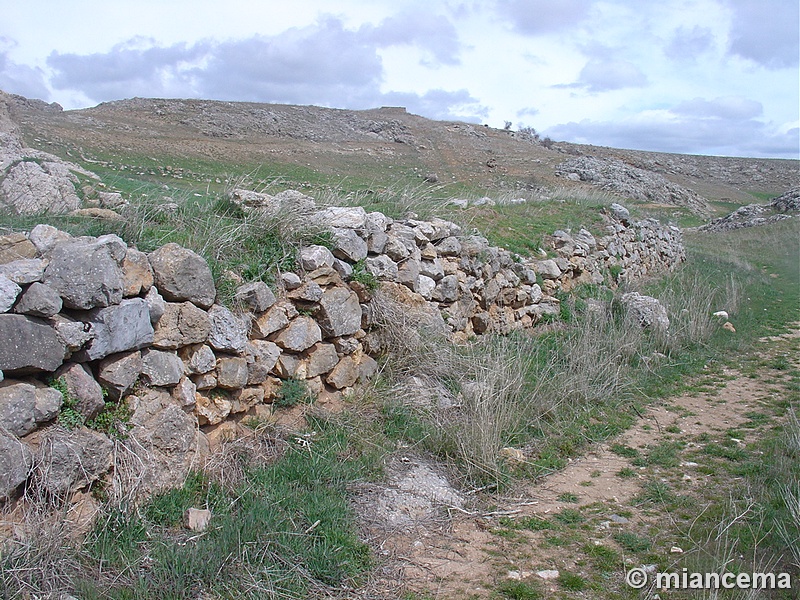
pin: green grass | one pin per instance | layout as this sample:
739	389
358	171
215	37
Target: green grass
286	529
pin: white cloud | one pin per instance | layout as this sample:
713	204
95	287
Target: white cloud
689	44
543	16
602	75
20	79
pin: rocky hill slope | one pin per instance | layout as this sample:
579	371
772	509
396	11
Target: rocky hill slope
321	145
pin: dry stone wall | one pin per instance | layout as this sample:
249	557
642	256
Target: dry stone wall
108	323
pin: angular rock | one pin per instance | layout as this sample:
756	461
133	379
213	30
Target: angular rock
314	257
309	292
382	267
137	274
212	409
446	290
198	358
71	333
271	321
646	310
24	270
185	393
119	328
69	460
15	246
44	238
182	324
155	304
261	357
197	519
257	296
408	273
28	344
321	358
86	273
181	275
348	217
449	246
246	398
367	368
48	403
432	268
396	249
548	269
85	393
291	280
228	332
39	300
344	374
339	312
17	407
300	334
343	269
425	286
119	372
9	291
232	373
348	245
16	462
161	368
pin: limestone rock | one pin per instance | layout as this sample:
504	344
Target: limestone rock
339	312
81	386
71	333
382	267
24	270
348	245
39	300
268	323
181	275
44	238
119	328
182	324
300	334
155	304
16	246
321	358
449	246
16	461
119	372
232	373
161	368
17	406
246	398
349	217
344	374
256	296
212	409
48	402
31	188
548	269
185	393
69	460
197	519
291	280
86	274
646	310
261	357
314	257
446	290
228	332
137	275
28	344
8	293
198	358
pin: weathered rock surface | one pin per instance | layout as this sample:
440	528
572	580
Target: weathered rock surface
119	372
69	460
339	312
28	344
160	368
300	334
9	291
125	326
181	275
17	406
181	324
16	461
85	392
646	310
39	300
228	332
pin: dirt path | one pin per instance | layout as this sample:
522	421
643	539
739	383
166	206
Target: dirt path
553	525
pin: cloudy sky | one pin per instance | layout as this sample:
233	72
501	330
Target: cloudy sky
691	76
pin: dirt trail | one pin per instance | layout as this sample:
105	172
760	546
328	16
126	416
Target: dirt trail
465	556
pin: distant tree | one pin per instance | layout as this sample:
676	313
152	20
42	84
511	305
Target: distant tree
528	133
507	126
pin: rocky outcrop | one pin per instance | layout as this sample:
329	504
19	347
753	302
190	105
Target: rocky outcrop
783	207
31	181
632	182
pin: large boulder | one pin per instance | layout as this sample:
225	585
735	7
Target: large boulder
39	300
29	345
339	312
182	275
119	328
87	273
